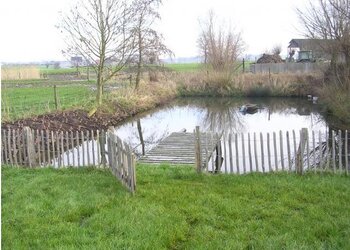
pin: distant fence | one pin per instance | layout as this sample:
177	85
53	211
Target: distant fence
287	67
39	148
289	151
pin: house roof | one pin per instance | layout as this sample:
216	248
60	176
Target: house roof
309	44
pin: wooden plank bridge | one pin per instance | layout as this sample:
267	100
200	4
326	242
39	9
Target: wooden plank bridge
179	148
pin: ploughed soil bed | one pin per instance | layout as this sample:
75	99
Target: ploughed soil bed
72	120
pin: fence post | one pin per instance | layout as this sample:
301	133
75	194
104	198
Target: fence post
198	150
55	96
102	141
301	149
29	146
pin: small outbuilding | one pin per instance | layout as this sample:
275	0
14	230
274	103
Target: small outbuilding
309	49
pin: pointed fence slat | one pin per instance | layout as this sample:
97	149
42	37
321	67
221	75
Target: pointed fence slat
262	152
340	146
14	146
288	152
268	151
98	147
48	147
73	147
256	154
225	161
57	137
83	147
38	142
20	145
295	148
275	150
314	150
88	146
320	149
78	147
62	149
307	150
250	154
333	150
243	152
346	141
9	145
281	150
230	151
327	152
3	137
237	155
67	149
93	147
43	147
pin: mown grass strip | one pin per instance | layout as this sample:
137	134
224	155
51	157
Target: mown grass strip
24	102
173	208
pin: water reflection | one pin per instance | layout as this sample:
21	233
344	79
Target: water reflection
219	114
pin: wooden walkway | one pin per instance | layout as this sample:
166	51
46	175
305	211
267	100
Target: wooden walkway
179	148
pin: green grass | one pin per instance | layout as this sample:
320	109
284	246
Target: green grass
184	67
44	82
53	71
173	208
21	102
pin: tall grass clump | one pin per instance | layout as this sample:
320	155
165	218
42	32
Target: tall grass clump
337	101
222	83
148	95
20	73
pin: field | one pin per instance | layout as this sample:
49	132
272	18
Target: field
27	101
21	98
184	67
173	208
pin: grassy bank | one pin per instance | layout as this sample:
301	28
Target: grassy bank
173	208
336	100
258	85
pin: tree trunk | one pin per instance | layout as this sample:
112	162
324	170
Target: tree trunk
99	90
139	63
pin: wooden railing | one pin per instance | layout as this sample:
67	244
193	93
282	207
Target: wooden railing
283	151
39	148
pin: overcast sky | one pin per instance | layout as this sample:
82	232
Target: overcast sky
28	30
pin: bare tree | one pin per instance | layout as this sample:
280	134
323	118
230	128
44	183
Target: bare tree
102	32
329	20
149	42
276	50
220	47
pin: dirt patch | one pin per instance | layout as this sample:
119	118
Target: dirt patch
73	120
266	58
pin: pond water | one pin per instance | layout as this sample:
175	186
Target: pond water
145	131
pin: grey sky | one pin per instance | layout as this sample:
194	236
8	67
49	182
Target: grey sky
29	33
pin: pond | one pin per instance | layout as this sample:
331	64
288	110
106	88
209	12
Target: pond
145	131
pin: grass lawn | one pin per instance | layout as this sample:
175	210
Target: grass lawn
22	102
173	208
59	71
184	67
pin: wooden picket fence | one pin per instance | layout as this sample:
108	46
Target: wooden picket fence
39	148
284	151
